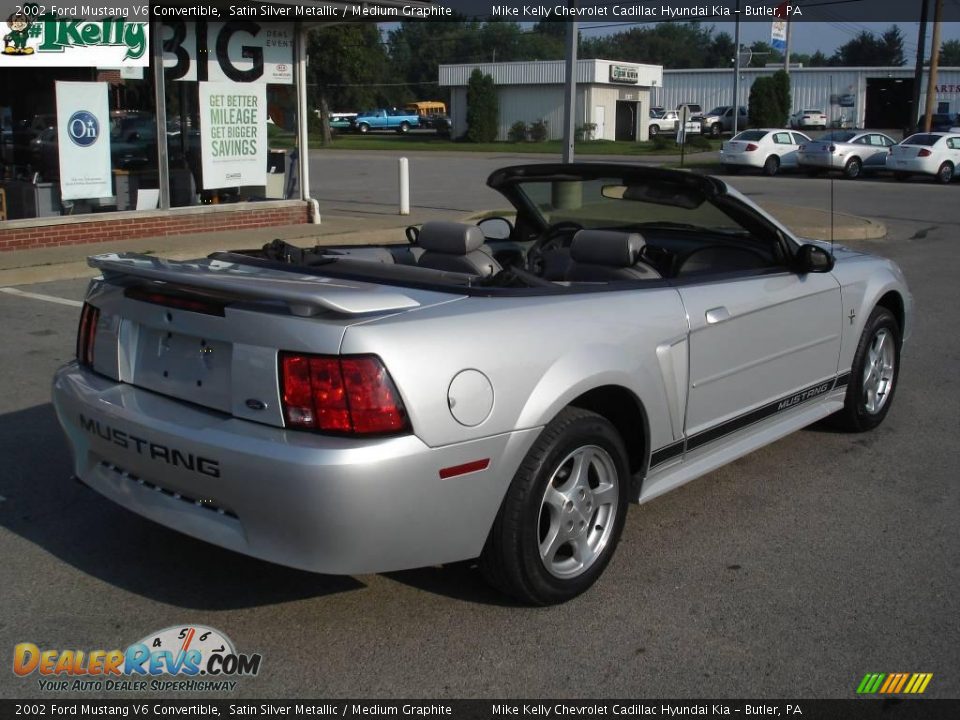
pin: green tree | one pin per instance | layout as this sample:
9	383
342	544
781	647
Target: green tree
781	92
483	108
417	50
348	68
950	53
764	105
764	54
866	49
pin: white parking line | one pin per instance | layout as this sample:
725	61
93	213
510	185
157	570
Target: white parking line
38	296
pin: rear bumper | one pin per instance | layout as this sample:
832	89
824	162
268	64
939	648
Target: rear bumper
751	159
319	503
927	165
820	160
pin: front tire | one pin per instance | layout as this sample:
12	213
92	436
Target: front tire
404	128
873	377
852	169
563	513
363	128
771	166
653	131
715	130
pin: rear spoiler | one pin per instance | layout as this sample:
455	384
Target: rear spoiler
304	295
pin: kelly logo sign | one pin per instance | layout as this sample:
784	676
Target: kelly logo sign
36	40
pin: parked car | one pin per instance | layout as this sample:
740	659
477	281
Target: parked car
669	124
853	152
363	409
939	122
802	119
720	120
936	154
399	120
342	121
768	150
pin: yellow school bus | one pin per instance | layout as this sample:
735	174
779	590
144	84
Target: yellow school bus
427	107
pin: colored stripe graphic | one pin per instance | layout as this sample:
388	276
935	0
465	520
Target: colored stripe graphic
894	683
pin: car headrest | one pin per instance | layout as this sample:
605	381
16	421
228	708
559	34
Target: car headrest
449	237
606	247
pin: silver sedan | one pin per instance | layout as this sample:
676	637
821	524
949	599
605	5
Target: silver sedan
852	152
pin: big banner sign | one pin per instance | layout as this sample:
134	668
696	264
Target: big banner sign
83	140
233	134
238	51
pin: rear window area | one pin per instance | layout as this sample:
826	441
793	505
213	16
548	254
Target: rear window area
751	135
922	139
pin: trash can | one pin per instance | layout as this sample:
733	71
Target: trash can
278	173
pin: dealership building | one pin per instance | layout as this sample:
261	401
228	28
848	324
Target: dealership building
868	97
613	96
124	128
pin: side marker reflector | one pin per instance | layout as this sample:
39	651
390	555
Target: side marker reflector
469	467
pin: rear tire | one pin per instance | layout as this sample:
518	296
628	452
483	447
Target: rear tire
715	130
945	173
852	169
771	166
563	513
404	128
873	376
653	131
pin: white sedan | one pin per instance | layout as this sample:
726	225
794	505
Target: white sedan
768	150
854	152
809	119
936	154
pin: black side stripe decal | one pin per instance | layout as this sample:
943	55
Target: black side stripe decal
738	423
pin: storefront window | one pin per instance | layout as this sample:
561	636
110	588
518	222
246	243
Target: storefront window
81	140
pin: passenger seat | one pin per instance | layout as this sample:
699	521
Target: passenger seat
455	247
605	255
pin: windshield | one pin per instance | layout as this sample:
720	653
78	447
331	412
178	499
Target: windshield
718	110
609	203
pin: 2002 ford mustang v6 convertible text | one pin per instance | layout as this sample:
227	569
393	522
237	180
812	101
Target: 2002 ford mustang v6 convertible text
500	391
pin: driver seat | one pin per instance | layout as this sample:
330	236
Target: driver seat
455	247
604	255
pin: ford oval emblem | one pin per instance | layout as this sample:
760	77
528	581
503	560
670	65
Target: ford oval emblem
255	404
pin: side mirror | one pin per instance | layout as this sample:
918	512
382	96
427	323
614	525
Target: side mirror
814	259
496	228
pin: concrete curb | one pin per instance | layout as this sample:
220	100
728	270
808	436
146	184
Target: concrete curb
815	224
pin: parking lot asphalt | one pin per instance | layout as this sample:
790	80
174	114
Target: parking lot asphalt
788	574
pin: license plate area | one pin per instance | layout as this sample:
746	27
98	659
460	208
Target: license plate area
187	367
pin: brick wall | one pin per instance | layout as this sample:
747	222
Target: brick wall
20	235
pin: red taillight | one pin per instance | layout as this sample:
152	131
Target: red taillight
924	153
87	334
348	394
751	147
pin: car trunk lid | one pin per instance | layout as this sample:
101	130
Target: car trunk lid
209	331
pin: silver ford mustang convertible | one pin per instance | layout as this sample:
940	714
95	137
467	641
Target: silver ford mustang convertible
499	391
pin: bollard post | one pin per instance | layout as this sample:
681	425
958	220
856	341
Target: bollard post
404	187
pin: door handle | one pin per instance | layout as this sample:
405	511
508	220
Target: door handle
717	314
